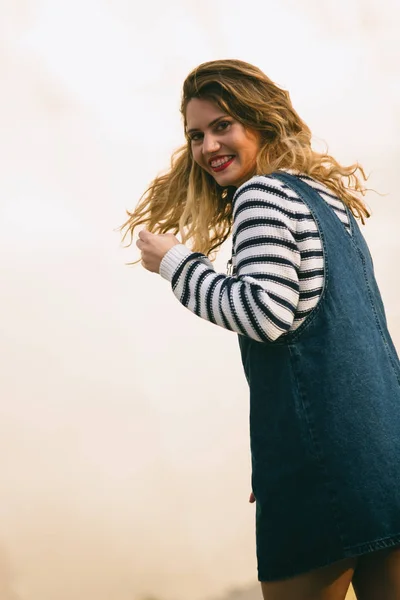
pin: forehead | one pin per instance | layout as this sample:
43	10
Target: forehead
200	112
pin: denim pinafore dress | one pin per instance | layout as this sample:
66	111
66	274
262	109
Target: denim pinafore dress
325	417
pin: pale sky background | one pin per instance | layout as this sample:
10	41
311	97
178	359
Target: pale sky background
125	467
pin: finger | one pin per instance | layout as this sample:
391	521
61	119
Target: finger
252	498
144	234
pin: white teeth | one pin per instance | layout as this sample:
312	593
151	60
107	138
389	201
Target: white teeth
220	161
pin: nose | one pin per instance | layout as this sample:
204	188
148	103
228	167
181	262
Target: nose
210	144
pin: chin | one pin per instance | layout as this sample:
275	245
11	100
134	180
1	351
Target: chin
229	182
235	180
226	178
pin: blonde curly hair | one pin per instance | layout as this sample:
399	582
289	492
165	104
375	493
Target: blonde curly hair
187	200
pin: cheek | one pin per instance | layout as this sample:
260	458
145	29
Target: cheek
245	146
251	150
197	155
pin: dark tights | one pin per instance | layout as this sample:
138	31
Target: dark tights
377	576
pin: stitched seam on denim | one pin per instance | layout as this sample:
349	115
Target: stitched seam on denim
381	542
317	450
355	230
371	299
349	552
355	239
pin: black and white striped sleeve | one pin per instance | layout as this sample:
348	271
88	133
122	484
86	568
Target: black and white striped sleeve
260	300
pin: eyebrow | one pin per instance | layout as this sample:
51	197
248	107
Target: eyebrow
209	125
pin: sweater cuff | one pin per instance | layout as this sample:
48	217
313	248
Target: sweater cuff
172	259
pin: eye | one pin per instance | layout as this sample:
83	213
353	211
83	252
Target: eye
220	126
223	125
195	137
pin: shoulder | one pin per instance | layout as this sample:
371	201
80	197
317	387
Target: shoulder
267	192
262	186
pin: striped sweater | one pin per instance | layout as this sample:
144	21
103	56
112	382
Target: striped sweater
277	263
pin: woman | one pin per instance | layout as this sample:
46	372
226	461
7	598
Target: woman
323	373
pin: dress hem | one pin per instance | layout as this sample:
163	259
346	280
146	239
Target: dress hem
348	552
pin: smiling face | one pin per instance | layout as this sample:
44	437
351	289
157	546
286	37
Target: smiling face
221	146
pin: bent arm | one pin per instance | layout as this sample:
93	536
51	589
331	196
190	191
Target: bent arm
260	300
